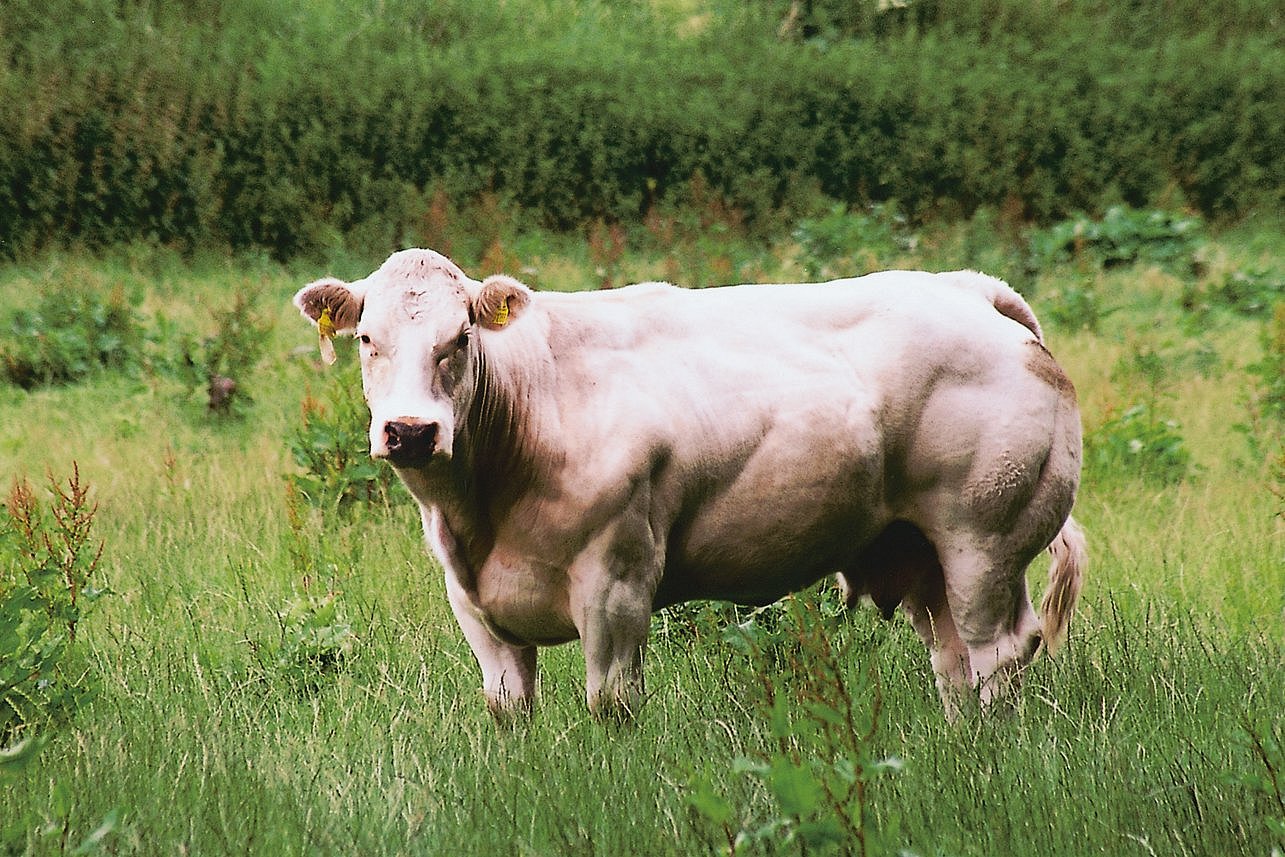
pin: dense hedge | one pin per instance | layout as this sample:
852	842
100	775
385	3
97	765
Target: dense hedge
258	123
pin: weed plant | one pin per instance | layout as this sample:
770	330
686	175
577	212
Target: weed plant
819	767
220	364
1121	236
330	446
851	243
47	558
1264	425
1138	444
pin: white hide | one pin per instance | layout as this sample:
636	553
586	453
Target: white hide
596	456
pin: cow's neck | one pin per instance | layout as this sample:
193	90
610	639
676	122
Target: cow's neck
502	447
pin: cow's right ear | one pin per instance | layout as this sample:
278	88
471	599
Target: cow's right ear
342	300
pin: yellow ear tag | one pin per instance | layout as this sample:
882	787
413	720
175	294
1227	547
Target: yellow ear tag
326	330
501	316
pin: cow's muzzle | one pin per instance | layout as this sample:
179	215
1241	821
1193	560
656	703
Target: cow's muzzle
409	443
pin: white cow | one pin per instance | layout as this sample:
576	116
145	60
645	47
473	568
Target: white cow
581	460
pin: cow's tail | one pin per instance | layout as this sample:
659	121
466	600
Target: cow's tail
1066	576
1002	296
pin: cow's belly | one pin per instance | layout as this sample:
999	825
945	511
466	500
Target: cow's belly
750	580
758	559
804	507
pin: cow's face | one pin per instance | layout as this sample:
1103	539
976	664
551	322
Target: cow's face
419	320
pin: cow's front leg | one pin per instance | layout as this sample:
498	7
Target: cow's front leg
508	671
614	633
612	582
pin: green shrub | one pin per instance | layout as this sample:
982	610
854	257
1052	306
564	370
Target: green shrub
316	640
819	767
315	636
1138	444
1073	307
221	363
69	335
840	236
1122	237
52	822
332	446
1253	292
47	559
285	137
1264	428
1270	370
1264	740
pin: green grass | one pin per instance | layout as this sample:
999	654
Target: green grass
1133	741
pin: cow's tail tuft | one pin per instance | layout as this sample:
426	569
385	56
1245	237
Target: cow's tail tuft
1066	576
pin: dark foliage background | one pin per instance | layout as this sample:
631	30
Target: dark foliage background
294	127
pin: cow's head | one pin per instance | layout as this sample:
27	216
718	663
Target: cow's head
420	321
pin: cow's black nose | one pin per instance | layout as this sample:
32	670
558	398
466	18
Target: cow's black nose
410	443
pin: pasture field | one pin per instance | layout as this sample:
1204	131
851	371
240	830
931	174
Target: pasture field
269	675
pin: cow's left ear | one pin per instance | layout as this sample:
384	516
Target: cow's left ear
501	301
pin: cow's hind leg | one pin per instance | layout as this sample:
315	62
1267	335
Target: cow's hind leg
931	618
613	635
992	614
901	566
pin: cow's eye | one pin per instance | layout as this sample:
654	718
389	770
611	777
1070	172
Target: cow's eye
363	339
462	340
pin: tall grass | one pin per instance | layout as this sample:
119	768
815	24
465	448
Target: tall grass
1129	743
1138	739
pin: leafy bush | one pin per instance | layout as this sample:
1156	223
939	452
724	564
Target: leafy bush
1270	370
1123	236
1141	445
316	639
221	362
1264	429
1252	292
53	822
332	446
841	236
69	335
1073	307
819	767
288	138
1265	741
47	559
